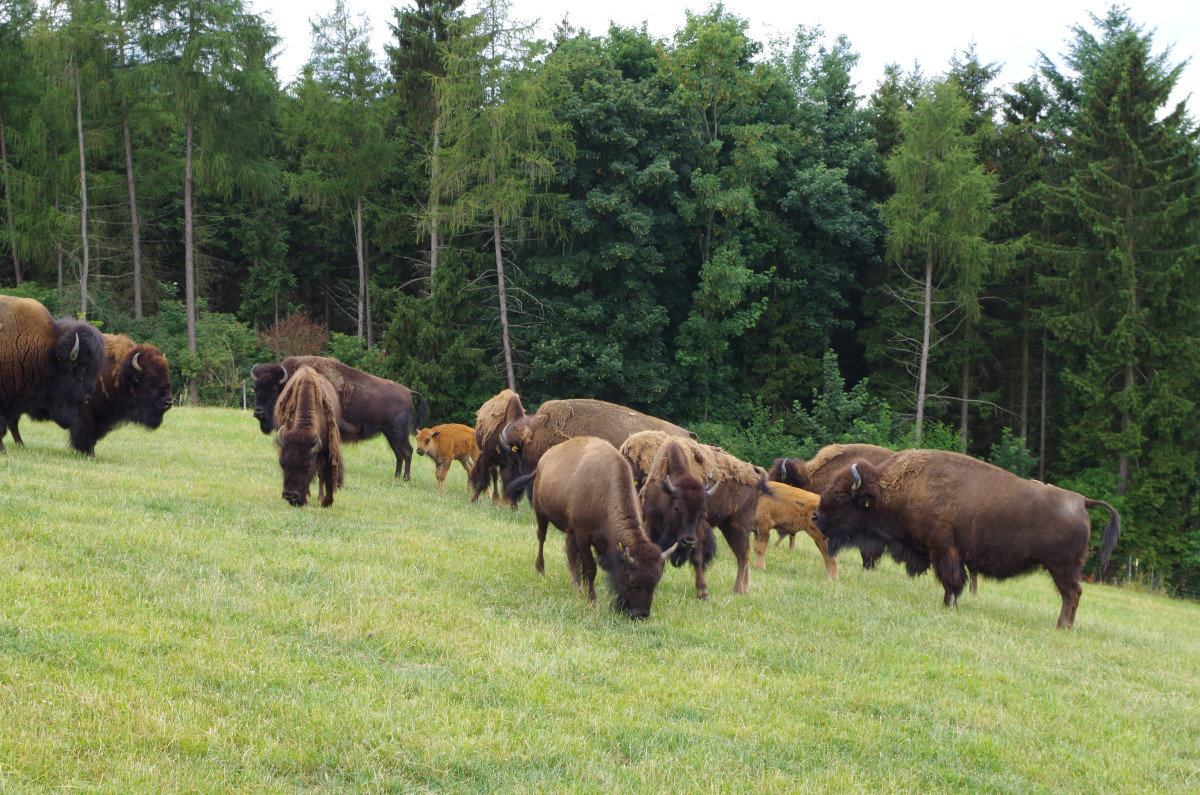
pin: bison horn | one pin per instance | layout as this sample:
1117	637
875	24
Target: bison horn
504	436
857	478
667	552
668	487
712	489
135	364
285	374
783	470
75	350
278	440
316	448
628	558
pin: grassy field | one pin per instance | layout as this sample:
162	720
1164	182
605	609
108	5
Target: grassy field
169	624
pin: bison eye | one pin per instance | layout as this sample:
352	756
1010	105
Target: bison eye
841	498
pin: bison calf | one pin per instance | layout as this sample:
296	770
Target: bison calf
445	444
789	511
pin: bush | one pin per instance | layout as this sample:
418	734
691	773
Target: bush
1010	453
295	335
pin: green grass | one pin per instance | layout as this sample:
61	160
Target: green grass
169	624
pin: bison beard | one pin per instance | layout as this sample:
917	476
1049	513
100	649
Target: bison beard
957	515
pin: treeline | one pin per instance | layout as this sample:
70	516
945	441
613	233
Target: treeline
702	228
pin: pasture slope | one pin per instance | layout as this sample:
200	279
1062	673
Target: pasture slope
169	624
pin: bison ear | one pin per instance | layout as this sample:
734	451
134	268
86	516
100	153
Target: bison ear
435	434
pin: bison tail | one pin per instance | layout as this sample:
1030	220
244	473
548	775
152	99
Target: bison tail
1112	531
513	491
422	411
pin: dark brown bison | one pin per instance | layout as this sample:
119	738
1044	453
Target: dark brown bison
445	444
689	488
134	386
816	473
527	439
370	405
492	418
951	511
47	367
585	488
789	511
306	418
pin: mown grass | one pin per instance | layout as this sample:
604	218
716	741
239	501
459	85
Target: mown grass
168	623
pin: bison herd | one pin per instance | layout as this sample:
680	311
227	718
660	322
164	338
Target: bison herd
628	490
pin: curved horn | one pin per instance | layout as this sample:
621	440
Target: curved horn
285	374
316	448
135	364
75	350
504	435
857	478
628	558
278	439
783	470
667	552
668	486
711	489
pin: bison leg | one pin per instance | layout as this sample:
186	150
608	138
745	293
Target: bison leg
494	474
15	431
823	547
589	569
738	538
697	558
760	547
440	471
539	565
951	573
403	449
1067	581
974	575
573	562
325	483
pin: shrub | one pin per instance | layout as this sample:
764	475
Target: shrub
295	335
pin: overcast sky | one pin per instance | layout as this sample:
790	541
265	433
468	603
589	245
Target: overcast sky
928	32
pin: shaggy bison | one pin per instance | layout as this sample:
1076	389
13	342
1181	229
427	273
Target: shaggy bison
492	418
445	444
47	367
527	439
951	511
585	488
306	416
370	405
789	511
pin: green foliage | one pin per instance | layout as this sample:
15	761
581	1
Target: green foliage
836	416
1010	453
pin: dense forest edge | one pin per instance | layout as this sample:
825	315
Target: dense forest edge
722	233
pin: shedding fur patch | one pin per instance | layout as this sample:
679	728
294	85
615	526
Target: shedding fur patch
708	464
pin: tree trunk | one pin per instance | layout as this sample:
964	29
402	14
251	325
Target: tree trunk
58	249
189	257
966	395
508	359
134	223
367	278
1042	424
926	324
83	201
435	168
8	210
362	268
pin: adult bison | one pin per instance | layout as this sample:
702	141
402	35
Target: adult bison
527	439
445	444
492	418
47	367
816	473
689	488
584	487
789	510
951	511
306	416
370	405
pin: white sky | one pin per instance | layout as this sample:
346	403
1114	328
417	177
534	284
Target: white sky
928	32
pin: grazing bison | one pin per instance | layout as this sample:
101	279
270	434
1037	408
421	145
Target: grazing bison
370	405
527	439
445	444
47	367
585	488
306	418
816	473
722	492
789	510
951	512
492	418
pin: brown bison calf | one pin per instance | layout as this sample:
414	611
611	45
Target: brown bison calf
445	444
789	511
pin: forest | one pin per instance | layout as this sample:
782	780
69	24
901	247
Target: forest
728	234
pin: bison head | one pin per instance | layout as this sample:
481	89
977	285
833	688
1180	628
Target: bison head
635	572
792	471
268	383
298	450
686	507
846	514
145	381
425	437
78	356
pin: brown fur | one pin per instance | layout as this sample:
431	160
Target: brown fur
125	392
445	444
47	367
555	421
307	413
789	510
585	488
954	513
492	417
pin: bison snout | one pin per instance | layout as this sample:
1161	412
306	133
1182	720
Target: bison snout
639	615
295	498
